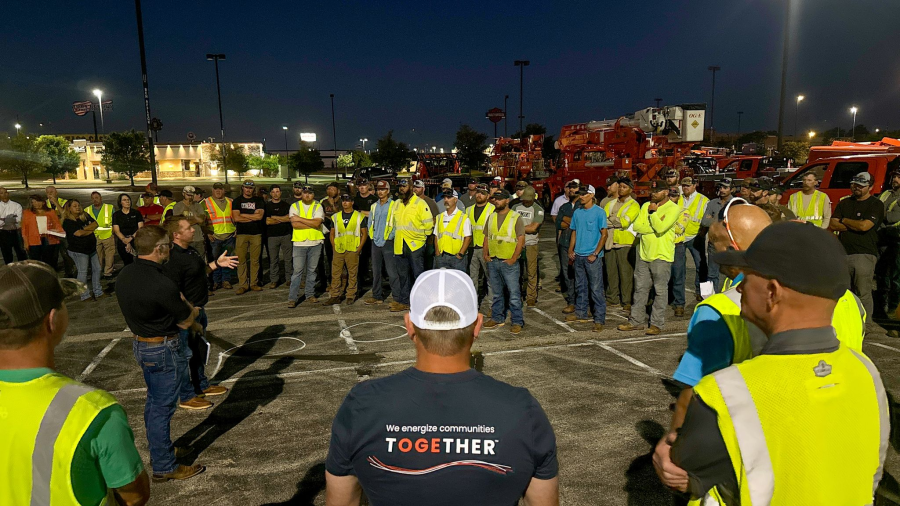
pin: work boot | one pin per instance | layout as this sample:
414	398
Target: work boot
292	303
332	301
226	285
578	319
180	473
350	301
241	291
215	390
598	327
698	297
627	327
653	330
217	286
372	300
491	324
256	288
531	303
397	307
273	285
311	300
569	309
679	311
195	404
626	308
515	329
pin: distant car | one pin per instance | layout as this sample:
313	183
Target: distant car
374	173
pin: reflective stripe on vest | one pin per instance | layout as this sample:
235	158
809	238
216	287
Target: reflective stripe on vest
388	225
450	239
155	201
346	237
171	205
814	212
695	214
478	226
306	234
502	243
624	235
220	218
884	198
104	221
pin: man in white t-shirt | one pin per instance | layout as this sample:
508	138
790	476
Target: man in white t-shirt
561	200
306	219
452	234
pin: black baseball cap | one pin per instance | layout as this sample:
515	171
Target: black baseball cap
346	197
781	252
218	186
627	181
572	184
482	188
29	290
658	185
473	181
332	184
298	184
166	193
501	194
306	188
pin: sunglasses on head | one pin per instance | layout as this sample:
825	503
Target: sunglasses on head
731	202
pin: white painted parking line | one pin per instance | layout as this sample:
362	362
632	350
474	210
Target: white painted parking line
94	363
554	320
345	332
629	358
883	346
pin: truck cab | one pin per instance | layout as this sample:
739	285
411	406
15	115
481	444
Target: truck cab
836	172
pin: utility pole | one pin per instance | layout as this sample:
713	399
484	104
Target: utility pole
658	100
739	121
712	105
215	58
521	64
505	117
334	137
784	66
140	29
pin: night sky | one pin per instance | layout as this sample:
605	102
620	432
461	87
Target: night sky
424	68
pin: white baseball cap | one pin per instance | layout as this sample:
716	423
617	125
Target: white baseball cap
443	287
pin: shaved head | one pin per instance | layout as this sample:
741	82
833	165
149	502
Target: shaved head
746	222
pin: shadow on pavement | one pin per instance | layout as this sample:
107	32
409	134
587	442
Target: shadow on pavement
312	484
258	345
641	483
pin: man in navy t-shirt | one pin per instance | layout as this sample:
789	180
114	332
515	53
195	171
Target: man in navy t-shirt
441	432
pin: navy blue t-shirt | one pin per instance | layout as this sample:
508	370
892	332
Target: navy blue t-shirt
417	438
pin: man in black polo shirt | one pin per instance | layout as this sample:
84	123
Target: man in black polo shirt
189	271
278	237
441	432
155	312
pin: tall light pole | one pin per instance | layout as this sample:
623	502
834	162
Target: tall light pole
712	105
18	127
285	141
364	141
797	114
334	137
740	113
99	95
784	67
140	30
658	100
853	110
215	58
505	116
521	64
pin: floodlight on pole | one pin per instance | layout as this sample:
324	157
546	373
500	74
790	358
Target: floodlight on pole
797	113
215	57
99	95
18	127
521	64
364	141
285	140
811	134
853	110
712	105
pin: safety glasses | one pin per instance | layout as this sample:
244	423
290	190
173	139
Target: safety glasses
730	203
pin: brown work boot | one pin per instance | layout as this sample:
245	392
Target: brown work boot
598	327
397	307
226	285
256	288
653	330
217	286
241	291
626	308
515	329
180	473
569	309
627	327
350	300
332	301
372	300
579	319
491	324
273	285
698	297
679	311
292	303
531	303
195	404
311	300
215	390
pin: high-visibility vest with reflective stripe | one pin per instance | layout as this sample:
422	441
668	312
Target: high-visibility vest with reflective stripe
412	224
155	201
884	198
41	425
346	238
802	429
478	225
627	214
103	219
695	214
450	239
502	242
728	305
814	212
681	225
849	321
307	234
221	218
169	206
389	224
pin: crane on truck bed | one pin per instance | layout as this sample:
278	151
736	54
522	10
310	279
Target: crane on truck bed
638	146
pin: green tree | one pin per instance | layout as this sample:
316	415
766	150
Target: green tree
266	165
470	148
126	153
354	159
531	129
306	161
798	150
20	154
58	158
234	157
391	153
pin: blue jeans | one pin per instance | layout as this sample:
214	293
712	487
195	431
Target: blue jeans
566	275
449	261
503	275
81	262
222	274
159	363
193	366
383	256
677	281
306	258
712	267
589	276
409	266
691	247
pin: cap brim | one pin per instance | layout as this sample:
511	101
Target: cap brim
731	258
71	286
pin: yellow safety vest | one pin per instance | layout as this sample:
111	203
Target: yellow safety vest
730	310
849	321
627	214
58	205
221	218
41	425
450	239
103	219
502	243
413	223
681	225
389	225
478	226
802	429
170	205
884	198
307	234
346	238
695	214
155	201
814	212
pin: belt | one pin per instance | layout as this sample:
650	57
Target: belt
161	339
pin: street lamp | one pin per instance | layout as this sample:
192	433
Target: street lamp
853	110
18	127
811	134
285	140
712	104
521	64
739	113
433	149
215	58
99	95
364	141
797	113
